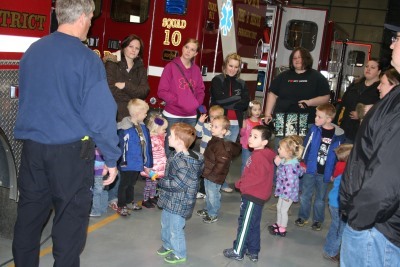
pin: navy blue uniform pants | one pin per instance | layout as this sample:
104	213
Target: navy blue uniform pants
248	233
52	176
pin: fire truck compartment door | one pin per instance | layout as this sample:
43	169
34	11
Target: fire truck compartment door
301	27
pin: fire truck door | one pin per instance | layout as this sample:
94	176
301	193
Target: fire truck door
301	27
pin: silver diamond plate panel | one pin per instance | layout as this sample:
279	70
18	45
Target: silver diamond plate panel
8	114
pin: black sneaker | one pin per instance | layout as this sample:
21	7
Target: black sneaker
153	200
230	253
300	222
148	204
210	219
163	251
252	257
202	213
316	226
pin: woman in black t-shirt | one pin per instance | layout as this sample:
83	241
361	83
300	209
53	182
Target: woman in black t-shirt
299	90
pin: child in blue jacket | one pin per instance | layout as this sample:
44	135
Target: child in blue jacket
319	156
135	143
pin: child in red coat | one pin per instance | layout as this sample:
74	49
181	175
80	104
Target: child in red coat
255	186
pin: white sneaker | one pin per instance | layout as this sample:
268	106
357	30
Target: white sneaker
200	195
227	189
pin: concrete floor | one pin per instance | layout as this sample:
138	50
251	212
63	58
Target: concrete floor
118	241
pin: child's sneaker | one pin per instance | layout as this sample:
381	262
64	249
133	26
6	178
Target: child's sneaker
148	204
227	189
230	253
172	258
135	206
163	251
210	219
273	227
316	226
300	222
123	211
200	195
202	213
252	257
153	200
113	205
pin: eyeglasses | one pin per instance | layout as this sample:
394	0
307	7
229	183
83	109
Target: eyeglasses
395	39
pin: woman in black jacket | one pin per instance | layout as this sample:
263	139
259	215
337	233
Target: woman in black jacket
363	91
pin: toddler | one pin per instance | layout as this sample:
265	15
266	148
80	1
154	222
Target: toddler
253	119
287	180
203	130
157	126
255	185
100	194
178	191
135	143
334	236
217	159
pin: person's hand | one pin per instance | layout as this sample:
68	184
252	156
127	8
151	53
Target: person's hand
303	104
112	174
277	160
353	115
267	119
146	170
203	118
120	85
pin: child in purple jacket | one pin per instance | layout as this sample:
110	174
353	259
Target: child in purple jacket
287	180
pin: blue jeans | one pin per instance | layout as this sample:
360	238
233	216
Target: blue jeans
334	236
172	233
313	184
100	197
172	121
367	248
213	199
246	153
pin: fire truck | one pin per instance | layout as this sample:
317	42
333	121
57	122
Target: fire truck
262	33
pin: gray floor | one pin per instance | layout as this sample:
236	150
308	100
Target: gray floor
117	241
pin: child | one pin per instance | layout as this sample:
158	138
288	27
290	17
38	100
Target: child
100	195
253	114
334	236
157	126
217	159
136	152
287	180
255	186
319	156
178	191
203	130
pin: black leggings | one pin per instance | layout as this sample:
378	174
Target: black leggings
126	187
